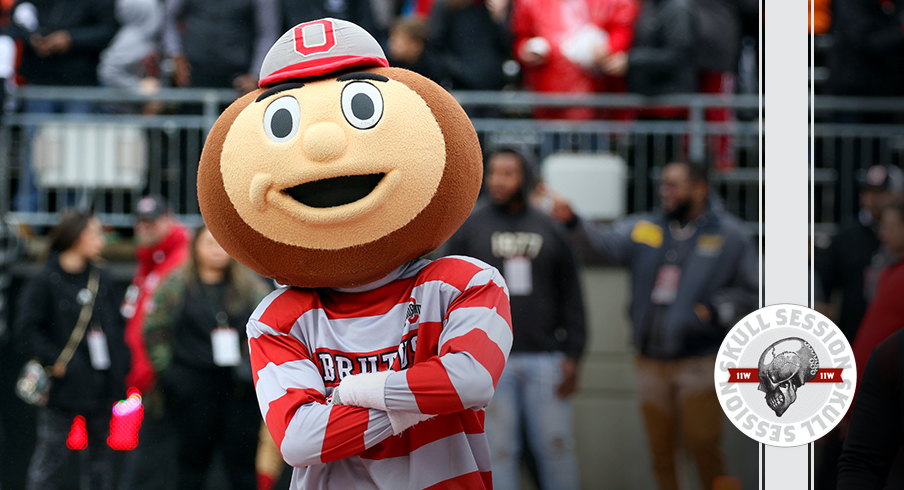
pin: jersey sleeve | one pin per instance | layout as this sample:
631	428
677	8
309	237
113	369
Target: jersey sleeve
292	395
472	350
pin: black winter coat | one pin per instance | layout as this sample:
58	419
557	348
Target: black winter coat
91	25
662	59
48	311
865	58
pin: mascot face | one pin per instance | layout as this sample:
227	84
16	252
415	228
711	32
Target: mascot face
362	160
336	180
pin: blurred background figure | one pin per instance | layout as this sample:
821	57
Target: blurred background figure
872	449
663	57
693	276
8	53
885	314
561	46
851	264
883	317
162	247
851	267
131	59
296	12
720	29
540	270
62	41
868	44
94	379
196	340
268	462
408	48
221	43
10	252
662	60
471	39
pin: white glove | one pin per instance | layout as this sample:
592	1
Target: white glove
362	390
366	390
402	420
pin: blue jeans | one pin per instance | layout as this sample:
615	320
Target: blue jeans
527	391
27	193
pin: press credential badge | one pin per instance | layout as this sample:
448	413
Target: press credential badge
226	350
97	349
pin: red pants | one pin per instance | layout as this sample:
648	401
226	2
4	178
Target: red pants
721	146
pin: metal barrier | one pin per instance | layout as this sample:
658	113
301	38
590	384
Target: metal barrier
847	140
44	144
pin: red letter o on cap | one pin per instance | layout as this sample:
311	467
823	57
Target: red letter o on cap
314	37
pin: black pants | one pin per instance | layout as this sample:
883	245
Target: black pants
48	462
210	412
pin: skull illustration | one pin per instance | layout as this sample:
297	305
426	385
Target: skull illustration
784	367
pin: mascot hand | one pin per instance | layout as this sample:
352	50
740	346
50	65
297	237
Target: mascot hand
402	420
366	390
362	390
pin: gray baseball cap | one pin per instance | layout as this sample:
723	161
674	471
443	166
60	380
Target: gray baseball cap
320	47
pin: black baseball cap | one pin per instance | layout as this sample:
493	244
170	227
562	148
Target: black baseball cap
150	208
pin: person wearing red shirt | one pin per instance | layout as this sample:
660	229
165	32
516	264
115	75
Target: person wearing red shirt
885	314
163	246
562	43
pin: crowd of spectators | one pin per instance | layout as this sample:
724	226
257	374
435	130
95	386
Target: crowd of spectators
650	47
581	46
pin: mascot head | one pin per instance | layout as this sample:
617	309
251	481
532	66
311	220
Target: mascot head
339	169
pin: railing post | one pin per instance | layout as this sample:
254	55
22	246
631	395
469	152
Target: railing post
697	149
211	110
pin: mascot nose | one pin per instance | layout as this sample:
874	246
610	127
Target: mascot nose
324	141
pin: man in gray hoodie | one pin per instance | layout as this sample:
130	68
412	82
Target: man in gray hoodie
693	275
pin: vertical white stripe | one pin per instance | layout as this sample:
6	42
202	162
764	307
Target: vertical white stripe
786	212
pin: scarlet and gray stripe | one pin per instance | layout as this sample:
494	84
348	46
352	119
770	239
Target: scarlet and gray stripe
464	337
447	459
274	380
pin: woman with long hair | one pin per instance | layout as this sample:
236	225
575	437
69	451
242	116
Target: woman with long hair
196	340
94	377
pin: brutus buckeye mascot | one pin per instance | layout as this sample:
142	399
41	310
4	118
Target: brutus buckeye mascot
372	365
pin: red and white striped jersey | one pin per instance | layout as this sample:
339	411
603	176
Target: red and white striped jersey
443	326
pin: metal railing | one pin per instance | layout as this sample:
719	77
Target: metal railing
174	139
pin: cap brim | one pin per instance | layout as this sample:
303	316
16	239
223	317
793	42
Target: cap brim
318	67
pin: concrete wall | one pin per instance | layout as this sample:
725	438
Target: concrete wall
611	442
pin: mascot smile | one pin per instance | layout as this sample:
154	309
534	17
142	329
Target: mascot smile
335	179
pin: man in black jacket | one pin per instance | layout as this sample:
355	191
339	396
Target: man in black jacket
63	41
865	58
693	276
662	59
539	268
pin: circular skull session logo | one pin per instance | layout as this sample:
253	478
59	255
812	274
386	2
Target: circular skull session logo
785	375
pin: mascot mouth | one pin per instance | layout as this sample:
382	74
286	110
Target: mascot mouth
337	191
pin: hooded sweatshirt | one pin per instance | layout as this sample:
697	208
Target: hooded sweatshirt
539	266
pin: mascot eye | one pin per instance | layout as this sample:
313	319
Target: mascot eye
281	119
362	105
